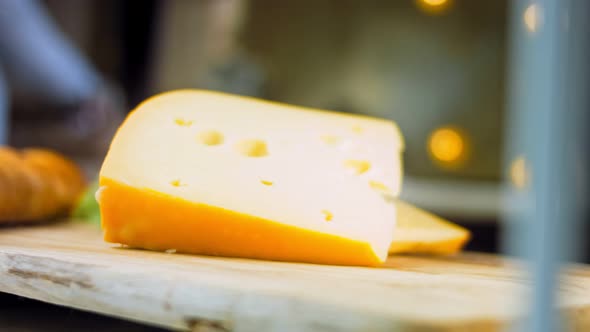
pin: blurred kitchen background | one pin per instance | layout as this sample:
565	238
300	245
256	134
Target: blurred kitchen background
436	67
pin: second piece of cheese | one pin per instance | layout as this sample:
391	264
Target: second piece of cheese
210	173
420	232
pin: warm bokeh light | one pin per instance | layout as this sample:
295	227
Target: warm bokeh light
447	145
433	6
519	172
532	17
434	2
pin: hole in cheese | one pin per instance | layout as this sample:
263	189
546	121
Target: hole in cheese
376	185
182	122
330	139
357	166
252	148
266	182
210	137
327	215
176	183
383	190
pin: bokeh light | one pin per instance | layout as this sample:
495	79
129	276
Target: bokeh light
519	172
447	146
433	6
532	17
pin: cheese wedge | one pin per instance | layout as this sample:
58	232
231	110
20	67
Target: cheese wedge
211	173
420	232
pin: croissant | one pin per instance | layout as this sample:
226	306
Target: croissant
37	184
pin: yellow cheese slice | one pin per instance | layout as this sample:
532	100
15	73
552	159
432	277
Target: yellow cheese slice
211	173
420	232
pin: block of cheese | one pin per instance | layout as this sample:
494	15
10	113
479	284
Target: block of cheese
211	173
420	232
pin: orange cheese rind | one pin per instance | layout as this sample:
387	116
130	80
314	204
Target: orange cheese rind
165	222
